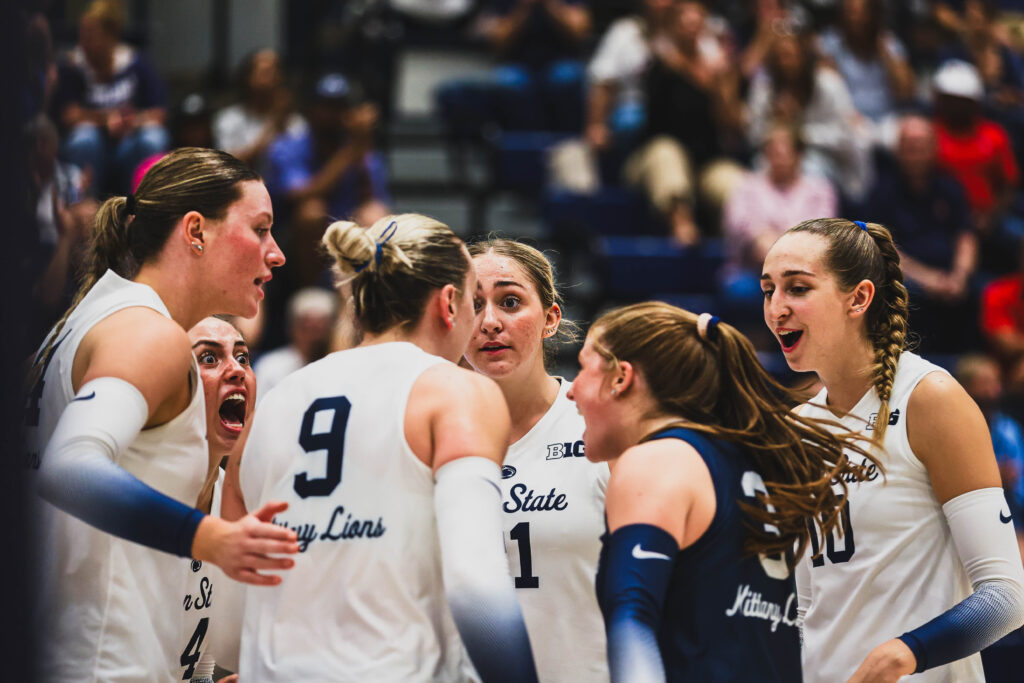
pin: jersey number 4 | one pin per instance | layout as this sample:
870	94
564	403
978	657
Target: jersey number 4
331	441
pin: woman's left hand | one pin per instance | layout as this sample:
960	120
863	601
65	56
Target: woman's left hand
886	663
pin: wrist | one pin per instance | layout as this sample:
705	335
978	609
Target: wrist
204	541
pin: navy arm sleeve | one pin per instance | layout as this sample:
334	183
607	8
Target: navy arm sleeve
639	559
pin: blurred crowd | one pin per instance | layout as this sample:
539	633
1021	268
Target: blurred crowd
717	125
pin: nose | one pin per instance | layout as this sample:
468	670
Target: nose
775	309
489	320
233	370
275	257
569	395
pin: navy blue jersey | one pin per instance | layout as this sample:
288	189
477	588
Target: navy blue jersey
724	615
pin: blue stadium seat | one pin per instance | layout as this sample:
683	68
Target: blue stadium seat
645	266
609	211
519	159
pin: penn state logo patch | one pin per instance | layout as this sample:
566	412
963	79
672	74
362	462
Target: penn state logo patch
507	472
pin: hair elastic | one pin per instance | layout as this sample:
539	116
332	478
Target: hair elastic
129	204
862	225
706	322
385	237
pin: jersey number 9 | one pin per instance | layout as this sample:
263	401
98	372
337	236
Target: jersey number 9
332	441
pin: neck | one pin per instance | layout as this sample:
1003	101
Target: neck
850	378
419	335
528	397
172	285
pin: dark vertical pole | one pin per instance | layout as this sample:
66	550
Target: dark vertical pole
220	52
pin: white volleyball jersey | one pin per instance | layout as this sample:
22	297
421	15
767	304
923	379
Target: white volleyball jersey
896	566
553	499
365	600
109	609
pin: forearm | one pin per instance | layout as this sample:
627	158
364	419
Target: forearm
599	104
633	592
965	258
327	177
78	473
476	577
987	546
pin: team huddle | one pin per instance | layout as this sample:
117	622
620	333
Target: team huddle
433	505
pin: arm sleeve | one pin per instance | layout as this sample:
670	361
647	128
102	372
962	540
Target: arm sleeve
467	502
640	558
985	540
78	473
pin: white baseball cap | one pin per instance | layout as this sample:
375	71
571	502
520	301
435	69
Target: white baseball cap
960	79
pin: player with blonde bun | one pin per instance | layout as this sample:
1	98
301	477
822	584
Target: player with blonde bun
389	456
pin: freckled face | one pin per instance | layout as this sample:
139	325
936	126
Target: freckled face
229	384
508	335
803	304
241	252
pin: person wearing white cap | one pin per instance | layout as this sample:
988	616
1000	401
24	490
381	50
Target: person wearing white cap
974	149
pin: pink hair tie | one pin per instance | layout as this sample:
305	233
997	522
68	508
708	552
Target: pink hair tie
706	321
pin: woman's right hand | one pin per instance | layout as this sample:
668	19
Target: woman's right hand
245	548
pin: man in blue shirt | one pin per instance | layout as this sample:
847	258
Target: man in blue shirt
326	171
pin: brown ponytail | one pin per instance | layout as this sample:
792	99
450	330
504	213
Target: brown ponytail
855	254
717	386
187	179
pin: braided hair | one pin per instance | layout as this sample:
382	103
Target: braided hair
855	254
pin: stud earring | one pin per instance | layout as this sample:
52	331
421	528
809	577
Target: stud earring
615	392
198	247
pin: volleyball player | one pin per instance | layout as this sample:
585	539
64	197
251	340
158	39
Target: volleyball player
713	480
389	456
229	386
115	426
926	572
552	496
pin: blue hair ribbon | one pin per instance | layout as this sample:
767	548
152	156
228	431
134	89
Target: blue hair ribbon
862	225
385	237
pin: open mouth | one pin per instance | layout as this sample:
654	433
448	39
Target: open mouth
232	412
789	339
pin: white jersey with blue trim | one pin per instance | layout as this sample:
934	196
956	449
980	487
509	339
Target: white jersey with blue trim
365	600
896	566
553	498
107	609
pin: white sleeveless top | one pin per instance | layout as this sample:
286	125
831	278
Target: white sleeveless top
108	609
365	600
896	567
553	498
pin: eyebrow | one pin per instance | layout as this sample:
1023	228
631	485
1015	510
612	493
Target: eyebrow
210	342
788	273
508	283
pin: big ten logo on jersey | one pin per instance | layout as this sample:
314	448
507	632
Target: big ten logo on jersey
894	418
566	449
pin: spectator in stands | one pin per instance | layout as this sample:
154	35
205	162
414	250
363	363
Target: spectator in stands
927	212
873	62
328	170
1002	324
310	321
245	129
615	91
981	42
979	375
191	122
762	207
795	89
110	100
977	152
63	218
539	44
692	106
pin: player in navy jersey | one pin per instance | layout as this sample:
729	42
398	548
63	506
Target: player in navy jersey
928	571
713	482
553	497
